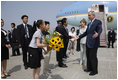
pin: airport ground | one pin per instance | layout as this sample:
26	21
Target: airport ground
107	66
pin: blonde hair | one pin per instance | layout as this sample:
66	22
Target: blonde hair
84	21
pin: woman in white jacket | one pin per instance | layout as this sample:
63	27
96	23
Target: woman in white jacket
83	59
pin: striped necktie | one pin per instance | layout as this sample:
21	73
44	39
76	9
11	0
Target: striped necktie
26	32
90	25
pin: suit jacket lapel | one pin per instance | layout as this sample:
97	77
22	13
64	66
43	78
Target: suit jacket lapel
64	29
92	24
23	29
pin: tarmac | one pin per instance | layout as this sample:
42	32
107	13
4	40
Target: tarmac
107	66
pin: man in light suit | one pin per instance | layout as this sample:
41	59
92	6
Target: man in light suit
93	32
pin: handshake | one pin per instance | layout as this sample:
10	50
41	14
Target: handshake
76	37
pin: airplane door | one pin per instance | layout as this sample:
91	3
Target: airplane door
101	8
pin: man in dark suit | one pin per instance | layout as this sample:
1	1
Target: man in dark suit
13	37
62	53
59	23
24	37
111	37
93	32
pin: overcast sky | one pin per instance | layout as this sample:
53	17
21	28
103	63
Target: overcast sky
11	11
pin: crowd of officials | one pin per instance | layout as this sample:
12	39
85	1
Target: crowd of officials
31	40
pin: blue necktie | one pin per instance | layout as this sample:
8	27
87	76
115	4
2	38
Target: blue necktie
90	25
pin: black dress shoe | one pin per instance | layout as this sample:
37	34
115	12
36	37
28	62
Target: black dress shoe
93	73
26	67
66	57
87	70
14	55
63	66
18	54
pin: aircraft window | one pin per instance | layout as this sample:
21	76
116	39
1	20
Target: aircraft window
78	11
75	12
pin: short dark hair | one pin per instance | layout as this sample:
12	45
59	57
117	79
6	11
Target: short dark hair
59	21
73	28
47	22
24	16
64	20
39	22
9	31
2	19
13	24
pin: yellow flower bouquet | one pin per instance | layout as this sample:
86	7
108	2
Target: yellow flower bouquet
54	41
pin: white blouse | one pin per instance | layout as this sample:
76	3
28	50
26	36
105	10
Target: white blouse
83	40
37	34
72	34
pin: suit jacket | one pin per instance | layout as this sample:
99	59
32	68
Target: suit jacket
45	33
9	36
14	38
65	36
3	38
21	33
91	42
77	32
113	34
